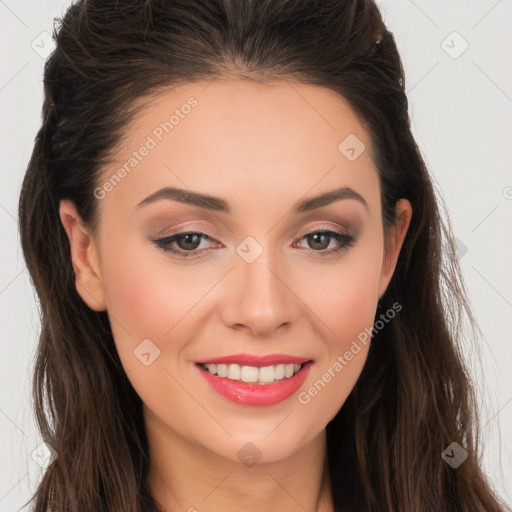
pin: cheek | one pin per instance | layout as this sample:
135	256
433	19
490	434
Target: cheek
146	290
146	300
150	305
344	296
345	302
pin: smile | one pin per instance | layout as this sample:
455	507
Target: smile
255	385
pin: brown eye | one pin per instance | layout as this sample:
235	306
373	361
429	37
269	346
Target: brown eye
319	241
187	243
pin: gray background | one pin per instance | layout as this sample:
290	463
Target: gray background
461	106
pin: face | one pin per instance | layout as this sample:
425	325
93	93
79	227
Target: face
259	270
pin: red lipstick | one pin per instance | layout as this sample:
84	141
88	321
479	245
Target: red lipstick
251	393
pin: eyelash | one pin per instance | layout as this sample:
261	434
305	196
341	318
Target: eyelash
164	243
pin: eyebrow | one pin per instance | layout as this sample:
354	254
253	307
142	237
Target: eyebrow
220	205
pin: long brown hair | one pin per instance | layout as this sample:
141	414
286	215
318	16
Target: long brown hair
413	398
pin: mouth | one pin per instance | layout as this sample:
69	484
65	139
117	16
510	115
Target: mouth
253	374
255	385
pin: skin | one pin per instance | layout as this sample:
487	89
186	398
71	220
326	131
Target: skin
262	148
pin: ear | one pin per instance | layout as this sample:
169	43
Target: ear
403	215
84	257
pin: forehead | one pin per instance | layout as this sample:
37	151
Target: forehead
244	140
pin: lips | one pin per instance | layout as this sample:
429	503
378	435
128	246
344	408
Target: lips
255	394
255	360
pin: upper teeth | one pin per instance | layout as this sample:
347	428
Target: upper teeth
264	374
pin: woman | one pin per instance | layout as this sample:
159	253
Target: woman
239	256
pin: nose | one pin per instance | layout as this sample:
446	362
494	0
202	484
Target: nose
259	298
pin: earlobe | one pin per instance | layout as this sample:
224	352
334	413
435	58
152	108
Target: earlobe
403	215
84	257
